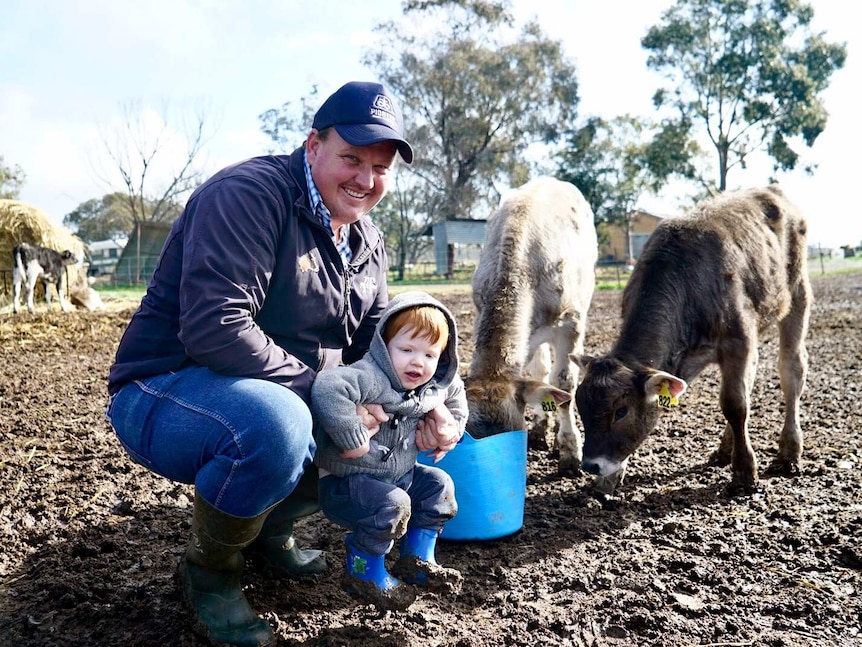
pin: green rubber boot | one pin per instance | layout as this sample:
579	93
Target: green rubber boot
275	549
209	575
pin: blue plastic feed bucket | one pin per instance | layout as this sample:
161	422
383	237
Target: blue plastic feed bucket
490	476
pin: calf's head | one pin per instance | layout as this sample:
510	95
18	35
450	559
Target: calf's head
619	406
496	404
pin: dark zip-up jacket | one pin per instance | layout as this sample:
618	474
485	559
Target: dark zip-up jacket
249	283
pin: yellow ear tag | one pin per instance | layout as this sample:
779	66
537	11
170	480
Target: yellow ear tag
665	399
549	405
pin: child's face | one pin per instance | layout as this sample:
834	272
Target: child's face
415	359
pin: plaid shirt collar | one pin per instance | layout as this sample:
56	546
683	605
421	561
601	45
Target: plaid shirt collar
340	238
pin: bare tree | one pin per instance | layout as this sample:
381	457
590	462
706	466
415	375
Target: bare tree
156	165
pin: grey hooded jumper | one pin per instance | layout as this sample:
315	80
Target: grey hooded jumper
336	392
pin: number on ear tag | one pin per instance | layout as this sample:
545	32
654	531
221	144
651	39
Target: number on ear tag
549	405
666	400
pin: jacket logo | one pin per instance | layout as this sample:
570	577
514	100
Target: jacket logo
308	263
367	286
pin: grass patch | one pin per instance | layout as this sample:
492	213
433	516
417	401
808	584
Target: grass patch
608	277
121	292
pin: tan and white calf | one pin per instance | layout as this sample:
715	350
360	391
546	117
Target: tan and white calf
705	286
532	288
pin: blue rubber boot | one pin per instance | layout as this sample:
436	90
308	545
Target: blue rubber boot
417	564
367	580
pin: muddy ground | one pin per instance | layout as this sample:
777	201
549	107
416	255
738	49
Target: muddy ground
90	540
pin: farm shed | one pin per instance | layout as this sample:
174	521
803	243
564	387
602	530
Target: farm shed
456	241
104	256
141	253
613	241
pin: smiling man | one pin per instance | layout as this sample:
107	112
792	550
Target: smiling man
271	274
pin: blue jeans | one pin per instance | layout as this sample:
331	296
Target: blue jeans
378	512
243	442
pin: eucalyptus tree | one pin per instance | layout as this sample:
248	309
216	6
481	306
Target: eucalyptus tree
287	126
748	75
476	94
614	162
11	180
403	216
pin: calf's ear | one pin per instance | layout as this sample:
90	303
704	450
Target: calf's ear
541	394
675	385
581	360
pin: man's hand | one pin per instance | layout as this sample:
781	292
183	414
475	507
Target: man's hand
372	415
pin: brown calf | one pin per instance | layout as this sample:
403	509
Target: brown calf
704	287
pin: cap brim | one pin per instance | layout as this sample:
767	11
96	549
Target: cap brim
367	134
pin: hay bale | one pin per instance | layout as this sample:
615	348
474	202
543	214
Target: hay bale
24	223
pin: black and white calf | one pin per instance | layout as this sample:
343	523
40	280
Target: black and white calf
31	263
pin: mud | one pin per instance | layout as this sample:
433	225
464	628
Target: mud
90	541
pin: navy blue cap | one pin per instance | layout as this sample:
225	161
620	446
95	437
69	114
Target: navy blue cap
363	114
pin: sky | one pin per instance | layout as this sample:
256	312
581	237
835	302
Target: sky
68	70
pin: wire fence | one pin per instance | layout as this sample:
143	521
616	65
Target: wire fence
608	276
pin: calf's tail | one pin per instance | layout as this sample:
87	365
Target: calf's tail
18	261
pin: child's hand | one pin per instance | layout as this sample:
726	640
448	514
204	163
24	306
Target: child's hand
372	415
356	452
363	449
437	431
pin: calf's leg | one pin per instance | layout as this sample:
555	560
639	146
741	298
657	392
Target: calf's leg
17	280
65	306
738	363
32	278
792	369
539	368
564	375
47	288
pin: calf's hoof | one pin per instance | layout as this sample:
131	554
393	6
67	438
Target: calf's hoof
783	467
569	466
742	486
719	458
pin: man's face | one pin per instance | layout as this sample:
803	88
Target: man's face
351	179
